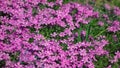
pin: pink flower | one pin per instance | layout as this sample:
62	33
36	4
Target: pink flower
107	6
100	23
83	52
109	66
62	34
117	10
54	34
83	33
115	26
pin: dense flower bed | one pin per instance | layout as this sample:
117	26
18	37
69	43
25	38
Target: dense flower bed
54	34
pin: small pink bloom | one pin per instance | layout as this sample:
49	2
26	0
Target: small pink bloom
107	6
100	23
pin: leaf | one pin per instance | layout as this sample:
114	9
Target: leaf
31	40
48	30
79	34
34	11
14	56
74	11
102	61
116	65
56	7
88	32
64	46
51	0
32	29
41	6
2	63
66	1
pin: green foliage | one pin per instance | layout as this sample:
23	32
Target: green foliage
115	2
14	56
61	38
2	63
66	1
31	40
115	65
74	11
34	11
78	30
32	29
64	46
102	61
48	30
88	31
41	6
95	29
51	0
24	63
56	7
113	45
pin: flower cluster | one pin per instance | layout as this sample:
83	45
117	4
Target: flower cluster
23	45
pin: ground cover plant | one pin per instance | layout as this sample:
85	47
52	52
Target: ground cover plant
59	34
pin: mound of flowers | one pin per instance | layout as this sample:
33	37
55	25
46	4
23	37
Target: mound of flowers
51	34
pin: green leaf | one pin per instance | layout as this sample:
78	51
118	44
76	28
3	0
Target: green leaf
49	29
51	0
74	11
24	63
2	63
31	40
64	46
32	29
56	7
34	11
116	65
14	56
41	6
79	34
66	1
102	61
88	32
